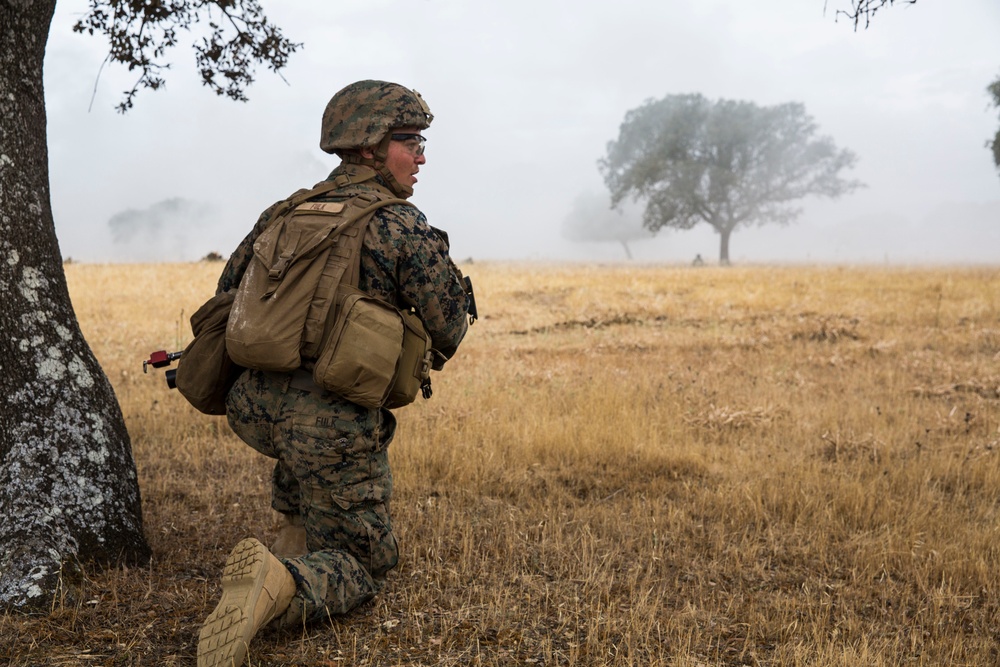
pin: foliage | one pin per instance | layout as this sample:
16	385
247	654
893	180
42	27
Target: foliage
141	31
650	466
867	9
994	91
727	163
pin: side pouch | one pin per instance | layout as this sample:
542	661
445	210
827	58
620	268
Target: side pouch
205	372
360	359
414	362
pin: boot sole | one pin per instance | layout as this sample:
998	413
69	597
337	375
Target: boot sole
225	637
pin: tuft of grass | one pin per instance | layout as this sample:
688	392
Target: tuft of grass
624	465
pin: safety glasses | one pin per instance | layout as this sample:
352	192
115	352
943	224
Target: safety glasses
414	142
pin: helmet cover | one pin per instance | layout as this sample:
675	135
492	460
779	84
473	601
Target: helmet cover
362	113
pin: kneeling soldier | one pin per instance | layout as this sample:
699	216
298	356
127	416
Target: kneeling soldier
332	481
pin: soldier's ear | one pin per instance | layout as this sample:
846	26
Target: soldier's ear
367	153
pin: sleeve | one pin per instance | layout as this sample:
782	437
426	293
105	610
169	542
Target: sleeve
425	277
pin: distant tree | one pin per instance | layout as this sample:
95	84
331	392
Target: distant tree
725	163
592	218
866	9
994	90
68	485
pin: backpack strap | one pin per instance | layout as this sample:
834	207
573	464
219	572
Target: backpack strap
349	236
342	266
353	271
303	196
318	190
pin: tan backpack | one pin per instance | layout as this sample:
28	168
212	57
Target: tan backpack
298	305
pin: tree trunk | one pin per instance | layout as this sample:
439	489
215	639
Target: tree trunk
724	235
628	253
68	486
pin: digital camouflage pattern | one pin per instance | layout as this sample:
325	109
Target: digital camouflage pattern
333	470
361	114
404	261
332	465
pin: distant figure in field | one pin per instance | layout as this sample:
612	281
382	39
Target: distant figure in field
698	261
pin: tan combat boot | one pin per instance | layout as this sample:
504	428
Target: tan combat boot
256	588
290	541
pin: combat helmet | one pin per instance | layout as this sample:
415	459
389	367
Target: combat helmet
360	115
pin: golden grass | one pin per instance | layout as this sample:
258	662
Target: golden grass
625	465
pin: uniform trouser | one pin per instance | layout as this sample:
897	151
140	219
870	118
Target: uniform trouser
332	469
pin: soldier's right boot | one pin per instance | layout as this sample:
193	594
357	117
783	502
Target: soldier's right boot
290	541
256	589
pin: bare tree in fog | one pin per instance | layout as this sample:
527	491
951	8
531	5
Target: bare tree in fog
592	218
727	163
174	229
149	224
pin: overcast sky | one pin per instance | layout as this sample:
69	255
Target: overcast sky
526	94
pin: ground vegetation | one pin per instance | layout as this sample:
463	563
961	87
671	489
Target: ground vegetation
624	465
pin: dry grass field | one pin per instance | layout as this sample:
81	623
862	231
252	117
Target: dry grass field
624	465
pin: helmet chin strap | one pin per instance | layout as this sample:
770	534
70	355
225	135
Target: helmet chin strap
381	153
378	164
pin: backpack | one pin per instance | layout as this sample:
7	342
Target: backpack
298	305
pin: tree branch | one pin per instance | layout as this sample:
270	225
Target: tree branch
866	9
141	31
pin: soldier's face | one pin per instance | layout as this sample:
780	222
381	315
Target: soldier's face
403	160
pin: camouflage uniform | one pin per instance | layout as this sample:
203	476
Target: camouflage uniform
332	465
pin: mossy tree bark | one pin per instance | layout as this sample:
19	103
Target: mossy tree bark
68	487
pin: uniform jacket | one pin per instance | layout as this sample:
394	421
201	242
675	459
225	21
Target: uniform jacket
404	261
